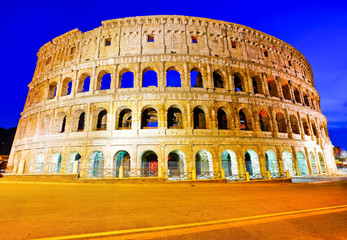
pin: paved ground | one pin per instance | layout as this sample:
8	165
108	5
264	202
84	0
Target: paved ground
37	210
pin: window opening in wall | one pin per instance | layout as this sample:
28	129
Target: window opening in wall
63	125
281	123
150	38
149	164
272	88
69	88
306	128
264	121
127	80
196	79
125	119
248	163
222	119
286	91
105	81
217	80
173	78
149	79
102	120
290	63
237	83
306	100
52	90
266	53
297	95
257	87
243	121
233	44
199	119
174	118
294	124
194	39
149	119
86	84
81	122
73	50
108	42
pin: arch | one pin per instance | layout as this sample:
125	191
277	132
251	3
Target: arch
66	87
81	122
252	162
173	77
238	82
199	118
149	118
313	163
314	129
104	80
45	124
60	122
125	119
174	118
78	121
101	123
84	83
281	122
273	91
264	121
271	161
74	156
176	164
288	163
55	163
121	158
306	100
96	165
203	164
297	95
52	90
322	163
245	122
218	81
286	91
149	164
222	119
294	124
149	78
229	163
37	166
196	78
302	163
305	126
126	79
257	85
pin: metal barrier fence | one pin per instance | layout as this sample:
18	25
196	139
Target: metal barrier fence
114	173
209	175
178	175
237	177
42	168
258	176
279	175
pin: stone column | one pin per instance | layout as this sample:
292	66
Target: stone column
308	162
295	159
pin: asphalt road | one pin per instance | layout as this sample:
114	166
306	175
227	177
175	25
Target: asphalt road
38	210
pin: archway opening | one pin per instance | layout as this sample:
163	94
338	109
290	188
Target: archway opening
149	78
73	157
149	119
199	118
305	126
222	119
252	162
104	81
264	121
297	95
288	163
286	91
37	166
238	83
102	121
302	163
176	164
257	86
272	88
244	124
174	118
173	78
81	121
281	122
203	164
294	124
55	163
271	162
229	163
121	158
217	80
127	80
52	91
96	165
125	119
322	163
66	87
149	164
196	78
313	163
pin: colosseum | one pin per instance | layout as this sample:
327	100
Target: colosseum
172	97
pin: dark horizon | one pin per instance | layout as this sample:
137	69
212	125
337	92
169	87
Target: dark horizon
318	31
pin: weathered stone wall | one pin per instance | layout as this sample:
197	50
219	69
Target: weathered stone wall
275	80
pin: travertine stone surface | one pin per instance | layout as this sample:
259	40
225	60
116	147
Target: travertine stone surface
275	81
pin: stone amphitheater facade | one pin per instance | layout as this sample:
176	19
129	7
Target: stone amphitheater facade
104	103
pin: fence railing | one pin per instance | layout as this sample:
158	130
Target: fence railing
237	177
209	175
115	173
279	175
178	175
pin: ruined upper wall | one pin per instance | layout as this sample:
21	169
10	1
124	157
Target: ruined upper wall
172	35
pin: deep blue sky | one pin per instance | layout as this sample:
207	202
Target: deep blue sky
318	29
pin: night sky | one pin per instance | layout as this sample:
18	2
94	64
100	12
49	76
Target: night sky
318	29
